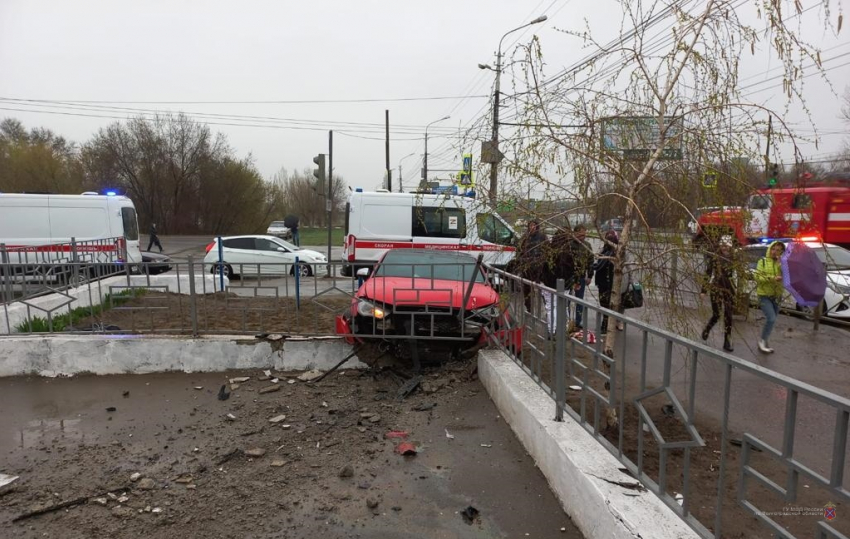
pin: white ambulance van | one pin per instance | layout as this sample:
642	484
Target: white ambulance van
39	228
378	221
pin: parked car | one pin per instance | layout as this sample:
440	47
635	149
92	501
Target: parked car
279	229
611	224
262	255
421	292
154	263
836	301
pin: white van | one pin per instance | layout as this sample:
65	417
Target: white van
378	221
40	228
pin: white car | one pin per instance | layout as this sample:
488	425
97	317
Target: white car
262	255
836	301
277	228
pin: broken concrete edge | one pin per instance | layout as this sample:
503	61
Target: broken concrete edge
60	355
16	313
573	462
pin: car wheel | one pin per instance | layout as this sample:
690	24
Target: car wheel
304	270
222	268
809	312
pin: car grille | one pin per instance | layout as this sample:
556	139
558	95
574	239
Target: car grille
427	321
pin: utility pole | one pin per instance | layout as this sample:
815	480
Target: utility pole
494	166
329	200
389	170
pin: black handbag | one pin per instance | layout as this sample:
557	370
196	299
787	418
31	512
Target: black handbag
632	298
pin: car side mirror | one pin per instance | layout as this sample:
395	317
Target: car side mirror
363	272
281	250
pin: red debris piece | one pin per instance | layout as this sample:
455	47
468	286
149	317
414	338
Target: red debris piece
397	434
405	448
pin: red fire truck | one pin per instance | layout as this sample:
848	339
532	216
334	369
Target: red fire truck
820	210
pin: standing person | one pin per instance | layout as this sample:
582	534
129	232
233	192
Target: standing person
530	258
720	271
154	239
558	264
582	257
769	278
604	270
296	237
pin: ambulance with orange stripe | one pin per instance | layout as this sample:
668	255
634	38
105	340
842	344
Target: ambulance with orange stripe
378	221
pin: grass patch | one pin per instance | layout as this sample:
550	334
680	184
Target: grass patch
60	323
319	236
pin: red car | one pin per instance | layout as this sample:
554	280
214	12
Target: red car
430	299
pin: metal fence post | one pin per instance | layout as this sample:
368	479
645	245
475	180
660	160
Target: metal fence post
220	265
75	267
193	298
6	274
297	271
560	350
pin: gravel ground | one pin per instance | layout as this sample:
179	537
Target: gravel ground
325	469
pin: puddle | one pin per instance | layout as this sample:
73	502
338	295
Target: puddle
53	429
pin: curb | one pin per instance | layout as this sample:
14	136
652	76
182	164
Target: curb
576	466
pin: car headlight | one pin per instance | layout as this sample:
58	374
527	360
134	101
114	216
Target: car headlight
487	313
367	308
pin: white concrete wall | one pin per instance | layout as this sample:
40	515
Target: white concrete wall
57	355
573	462
83	296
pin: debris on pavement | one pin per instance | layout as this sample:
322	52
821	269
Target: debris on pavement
230	417
223	393
146	484
125	394
255	452
111	409
424	407
449	435
311	375
346	471
135	477
6	481
269	389
227	456
469	514
277	418
396	434
406	449
240	379
409	387
371	503
277	463
486	445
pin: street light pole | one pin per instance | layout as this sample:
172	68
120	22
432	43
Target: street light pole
494	166
400	177
425	161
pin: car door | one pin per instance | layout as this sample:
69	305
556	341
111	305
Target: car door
272	256
239	253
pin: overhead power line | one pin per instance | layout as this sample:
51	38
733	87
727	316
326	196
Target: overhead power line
270	102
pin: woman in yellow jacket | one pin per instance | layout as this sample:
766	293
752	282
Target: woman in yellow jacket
769	278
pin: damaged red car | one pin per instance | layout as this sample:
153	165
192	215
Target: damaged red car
418	301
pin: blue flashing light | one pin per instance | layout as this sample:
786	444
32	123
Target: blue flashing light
111	193
358	190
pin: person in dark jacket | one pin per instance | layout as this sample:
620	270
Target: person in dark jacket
582	275
154	239
720	284
558	264
531	257
604	271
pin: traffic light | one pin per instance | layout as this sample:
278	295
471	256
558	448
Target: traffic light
773	176
319	173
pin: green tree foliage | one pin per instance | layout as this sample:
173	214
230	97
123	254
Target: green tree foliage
37	161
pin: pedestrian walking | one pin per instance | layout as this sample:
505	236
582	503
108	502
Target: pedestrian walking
581	254
154	239
769	290
720	285
604	275
530	259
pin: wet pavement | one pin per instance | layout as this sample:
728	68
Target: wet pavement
59	436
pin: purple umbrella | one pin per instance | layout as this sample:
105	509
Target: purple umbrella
803	274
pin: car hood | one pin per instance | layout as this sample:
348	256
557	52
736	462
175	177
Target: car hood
435	293
839	277
148	256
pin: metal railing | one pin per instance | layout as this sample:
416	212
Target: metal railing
720	440
683	417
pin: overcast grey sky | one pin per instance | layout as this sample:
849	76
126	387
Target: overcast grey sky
204	50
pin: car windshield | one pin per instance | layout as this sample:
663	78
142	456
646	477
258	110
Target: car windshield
835	258
434	265
286	244
277	224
